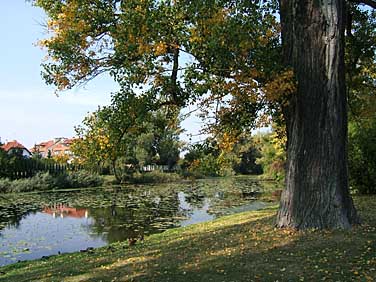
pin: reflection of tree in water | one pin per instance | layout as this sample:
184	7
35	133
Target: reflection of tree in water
142	213
12	212
11	216
195	196
228	192
15	207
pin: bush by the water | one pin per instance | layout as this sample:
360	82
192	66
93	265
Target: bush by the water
154	177
46	181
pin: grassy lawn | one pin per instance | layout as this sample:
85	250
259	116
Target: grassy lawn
241	247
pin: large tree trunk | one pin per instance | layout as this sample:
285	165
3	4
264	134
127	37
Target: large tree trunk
317	192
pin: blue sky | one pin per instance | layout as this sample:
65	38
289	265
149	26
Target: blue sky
29	110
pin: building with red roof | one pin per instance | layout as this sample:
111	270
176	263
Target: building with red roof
14	146
55	147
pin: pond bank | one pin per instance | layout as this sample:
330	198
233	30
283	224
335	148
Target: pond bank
240	247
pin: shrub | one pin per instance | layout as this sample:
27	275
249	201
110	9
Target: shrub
41	181
46	181
82	179
154	177
5	184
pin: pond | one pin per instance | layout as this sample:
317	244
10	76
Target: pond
34	225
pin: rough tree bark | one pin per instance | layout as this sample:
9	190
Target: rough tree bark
317	192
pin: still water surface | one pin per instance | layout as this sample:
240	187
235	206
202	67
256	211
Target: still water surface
43	224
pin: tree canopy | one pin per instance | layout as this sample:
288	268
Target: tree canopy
226	52
222	52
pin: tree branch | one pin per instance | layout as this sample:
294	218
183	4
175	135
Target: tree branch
370	3
174	74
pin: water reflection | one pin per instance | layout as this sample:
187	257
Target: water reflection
65	211
197	209
36	225
136	217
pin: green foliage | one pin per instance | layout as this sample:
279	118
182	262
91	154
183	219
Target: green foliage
164	129
14	161
111	132
45	181
362	161
5	185
144	151
361	62
223	156
221	53
273	155
361	79
207	165
14	165
201	159
79	179
39	182
154	177
3	162
127	135
248	153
